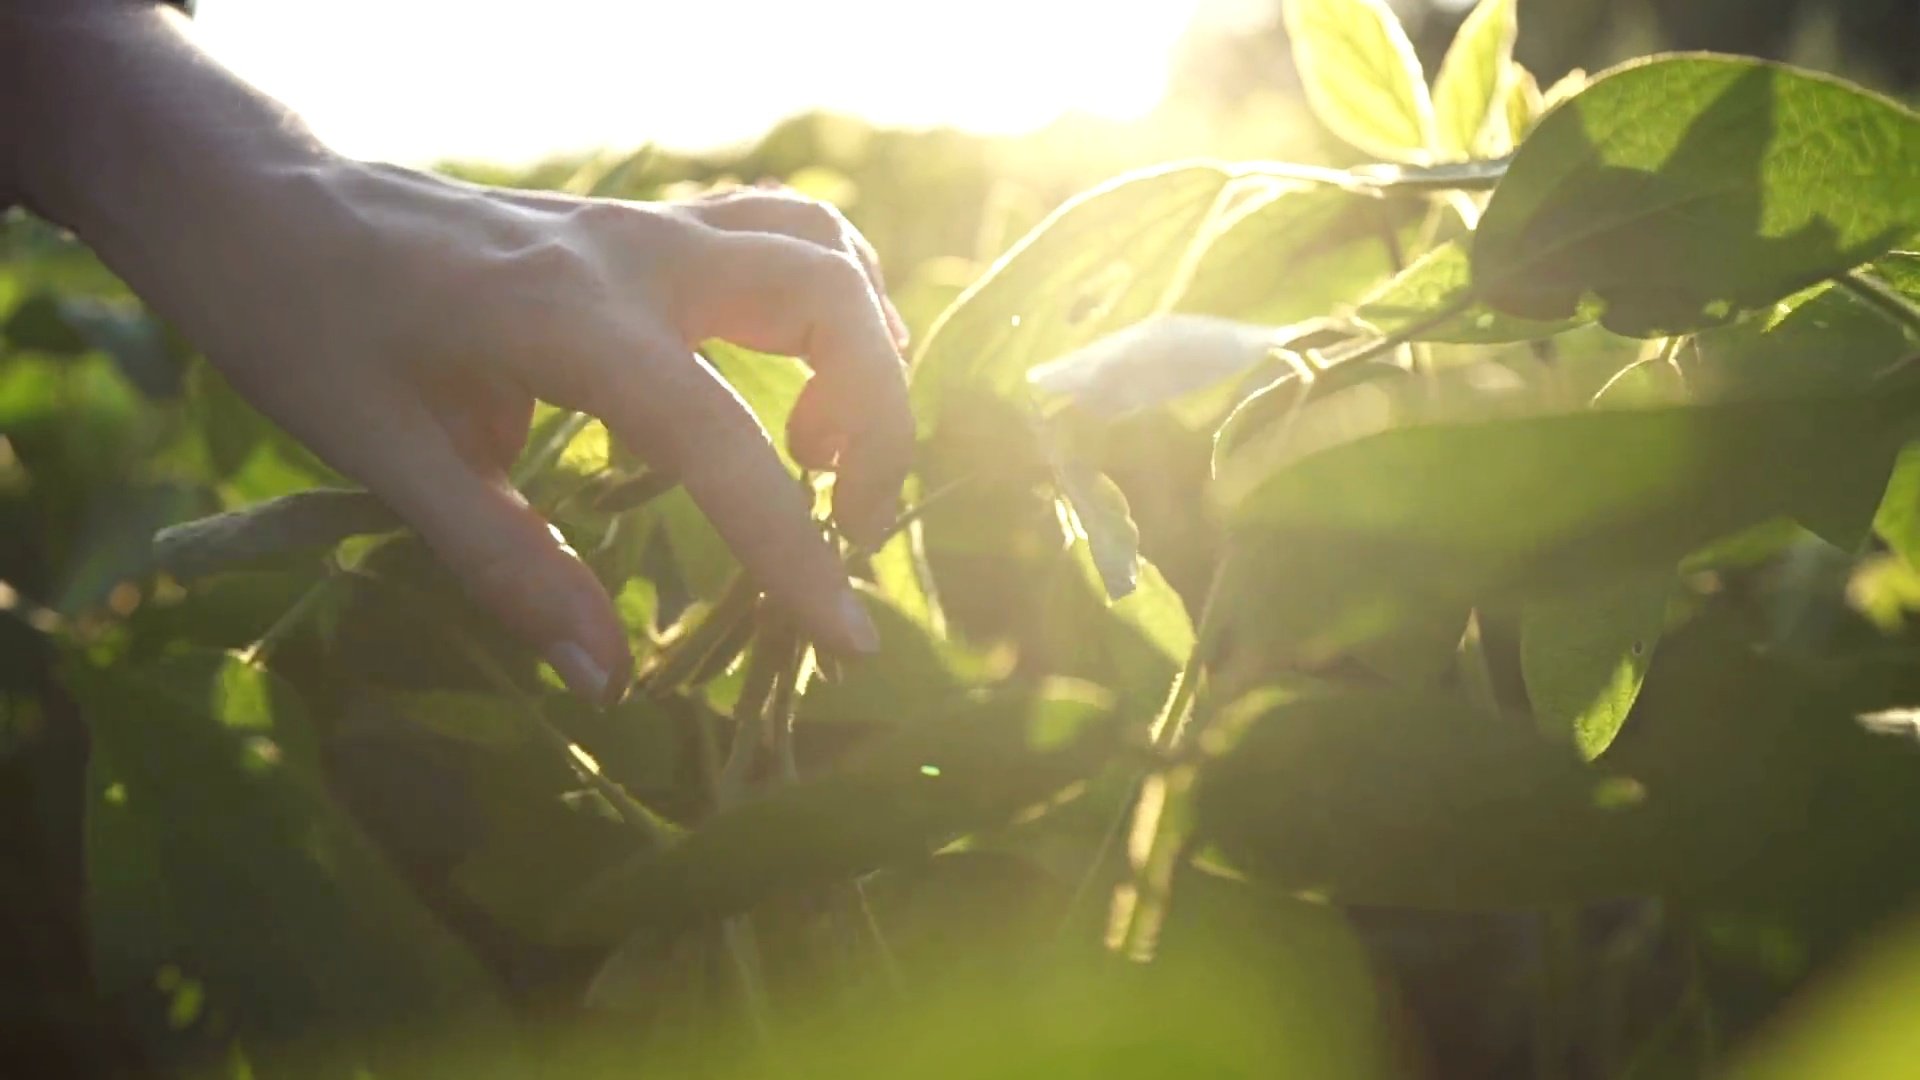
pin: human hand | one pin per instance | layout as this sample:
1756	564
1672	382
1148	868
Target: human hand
402	325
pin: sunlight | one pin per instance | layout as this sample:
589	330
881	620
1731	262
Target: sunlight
419	80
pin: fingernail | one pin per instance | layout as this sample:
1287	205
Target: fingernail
578	670
856	626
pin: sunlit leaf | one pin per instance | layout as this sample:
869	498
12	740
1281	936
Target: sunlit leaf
1293	253
303	522
897	797
1469	93
1442	282
1682	190
1103	520
1898	520
1105	259
1361	76
213	845
1585	654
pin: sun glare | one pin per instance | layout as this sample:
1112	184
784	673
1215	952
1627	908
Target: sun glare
514	80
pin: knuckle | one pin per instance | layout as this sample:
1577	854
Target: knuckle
836	275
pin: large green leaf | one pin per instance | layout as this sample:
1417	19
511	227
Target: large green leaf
1105	259
1292	253
1361	76
1332	548
1470	93
213	846
1430	801
898	797
302	523
1682	190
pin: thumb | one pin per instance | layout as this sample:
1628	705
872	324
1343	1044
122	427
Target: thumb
512	562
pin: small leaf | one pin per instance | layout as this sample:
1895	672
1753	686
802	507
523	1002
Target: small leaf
1898	520
1524	107
305	521
1361	76
1104	520
1682	190
1153	362
1470	93
1440	281
1584	655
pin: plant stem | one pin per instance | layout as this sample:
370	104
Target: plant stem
1465	176
1882	298
757	685
549	451
262	649
1381	346
913	513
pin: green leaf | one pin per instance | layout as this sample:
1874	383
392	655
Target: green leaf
1105	259
1102	518
1290	253
1853	1024
303	522
1584	655
1898	520
214	845
1429	801
1469	94
1333	548
898	797
1682	190
1825	340
1153	362
1361	76
769	385
1158	614
1396	798
913	679
1441	282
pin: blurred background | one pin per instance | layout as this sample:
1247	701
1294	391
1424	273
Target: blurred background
513	83
944	131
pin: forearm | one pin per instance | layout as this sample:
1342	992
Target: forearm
115	125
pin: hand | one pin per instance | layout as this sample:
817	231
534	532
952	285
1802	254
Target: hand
402	326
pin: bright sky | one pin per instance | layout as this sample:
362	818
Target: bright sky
515	80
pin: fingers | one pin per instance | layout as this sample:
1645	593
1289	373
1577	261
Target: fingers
511	561
787	213
666	404
781	295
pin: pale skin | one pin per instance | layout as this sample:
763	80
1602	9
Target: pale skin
402	325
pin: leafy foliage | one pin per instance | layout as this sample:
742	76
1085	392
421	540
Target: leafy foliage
1506	547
